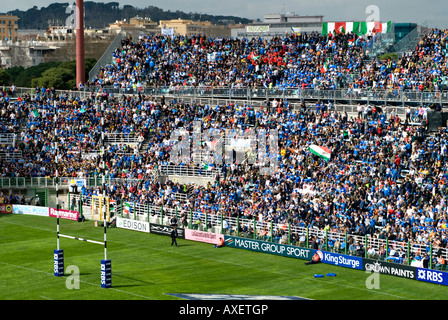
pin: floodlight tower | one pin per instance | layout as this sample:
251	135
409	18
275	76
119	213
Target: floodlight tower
80	53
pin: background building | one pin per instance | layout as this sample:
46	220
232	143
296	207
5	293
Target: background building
189	27
136	24
279	25
25	54
8	27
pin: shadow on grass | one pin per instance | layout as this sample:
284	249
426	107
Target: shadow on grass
130	278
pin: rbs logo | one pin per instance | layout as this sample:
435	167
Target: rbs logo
430	276
56	263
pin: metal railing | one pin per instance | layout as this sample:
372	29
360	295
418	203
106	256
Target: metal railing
188	171
10	155
256	96
8	139
363	95
51	182
121	138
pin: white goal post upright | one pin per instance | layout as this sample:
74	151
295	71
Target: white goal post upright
58	254
106	270
104	217
106	264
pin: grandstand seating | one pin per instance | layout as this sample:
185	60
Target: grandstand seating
386	178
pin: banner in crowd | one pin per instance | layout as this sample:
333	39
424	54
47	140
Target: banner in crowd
203	236
319	151
79	182
64	214
135	225
357	27
6	208
168	32
211	57
268	247
295	30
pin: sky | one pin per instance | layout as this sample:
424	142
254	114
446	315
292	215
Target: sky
428	13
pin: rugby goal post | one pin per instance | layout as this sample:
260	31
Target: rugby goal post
100	211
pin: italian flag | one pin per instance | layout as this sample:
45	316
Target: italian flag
378	27
347	133
357	27
127	209
324	67
322	152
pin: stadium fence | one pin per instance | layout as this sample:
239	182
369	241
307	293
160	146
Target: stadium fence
394	97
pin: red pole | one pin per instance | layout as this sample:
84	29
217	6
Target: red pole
80	65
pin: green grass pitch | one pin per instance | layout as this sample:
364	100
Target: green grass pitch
146	267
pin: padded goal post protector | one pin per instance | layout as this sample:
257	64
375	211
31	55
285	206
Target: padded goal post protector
106	273
99	203
58	258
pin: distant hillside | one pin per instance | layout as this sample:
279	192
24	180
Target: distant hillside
99	15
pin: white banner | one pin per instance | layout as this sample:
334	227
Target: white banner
132	224
80	182
32	210
211	57
257	29
168	32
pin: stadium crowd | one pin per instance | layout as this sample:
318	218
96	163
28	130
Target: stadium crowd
288	62
386	178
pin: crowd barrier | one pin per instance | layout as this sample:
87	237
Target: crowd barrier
396	97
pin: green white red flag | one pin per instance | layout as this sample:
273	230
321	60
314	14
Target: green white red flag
357	27
322	152
324	67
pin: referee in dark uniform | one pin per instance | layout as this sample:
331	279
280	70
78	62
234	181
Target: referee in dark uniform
174	236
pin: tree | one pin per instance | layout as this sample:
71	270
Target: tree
62	76
22	77
4	77
58	78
